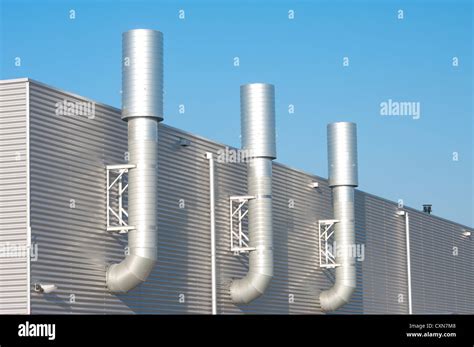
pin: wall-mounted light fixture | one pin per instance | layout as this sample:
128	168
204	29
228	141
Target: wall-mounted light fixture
184	142
44	288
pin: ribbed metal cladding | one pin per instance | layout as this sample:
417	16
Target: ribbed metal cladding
442	260
142	74
296	275
13	197
258	137
342	165
68	190
381	275
142	101
68	154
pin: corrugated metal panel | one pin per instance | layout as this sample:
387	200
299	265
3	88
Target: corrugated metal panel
67	162
68	158
13	197
442	266
383	276
68	154
297	280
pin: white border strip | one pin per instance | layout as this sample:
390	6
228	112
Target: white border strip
28	226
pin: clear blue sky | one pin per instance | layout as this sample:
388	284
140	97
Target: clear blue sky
402	60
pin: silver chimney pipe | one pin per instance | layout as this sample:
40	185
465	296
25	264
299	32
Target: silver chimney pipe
142	108
257	103
342	166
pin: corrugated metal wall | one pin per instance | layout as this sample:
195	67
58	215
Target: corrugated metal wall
13	197
442	266
382	276
68	155
297	207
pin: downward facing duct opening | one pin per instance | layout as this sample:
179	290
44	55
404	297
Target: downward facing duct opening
142	108
258	139
342	166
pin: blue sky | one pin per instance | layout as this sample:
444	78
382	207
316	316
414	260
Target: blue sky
406	60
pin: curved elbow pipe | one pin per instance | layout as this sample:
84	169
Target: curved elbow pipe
342	164
128	274
258	138
142	108
345	284
260	273
249	288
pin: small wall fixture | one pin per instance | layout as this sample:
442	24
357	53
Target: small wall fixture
314	185
184	142
44	288
466	233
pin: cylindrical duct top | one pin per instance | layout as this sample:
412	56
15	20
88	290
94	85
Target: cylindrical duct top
342	154
142	74
257	105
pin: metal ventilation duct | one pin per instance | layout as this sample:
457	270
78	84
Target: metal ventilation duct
342	165
257	102
142	108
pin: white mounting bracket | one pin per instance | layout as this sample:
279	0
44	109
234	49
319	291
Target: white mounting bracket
239	241
327	256
115	192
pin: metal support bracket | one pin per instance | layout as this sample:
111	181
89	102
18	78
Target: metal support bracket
327	256
117	215
238	210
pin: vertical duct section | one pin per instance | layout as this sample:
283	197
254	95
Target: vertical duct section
257	103
142	108
342	166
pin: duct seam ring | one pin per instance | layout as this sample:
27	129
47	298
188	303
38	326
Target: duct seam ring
263	196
